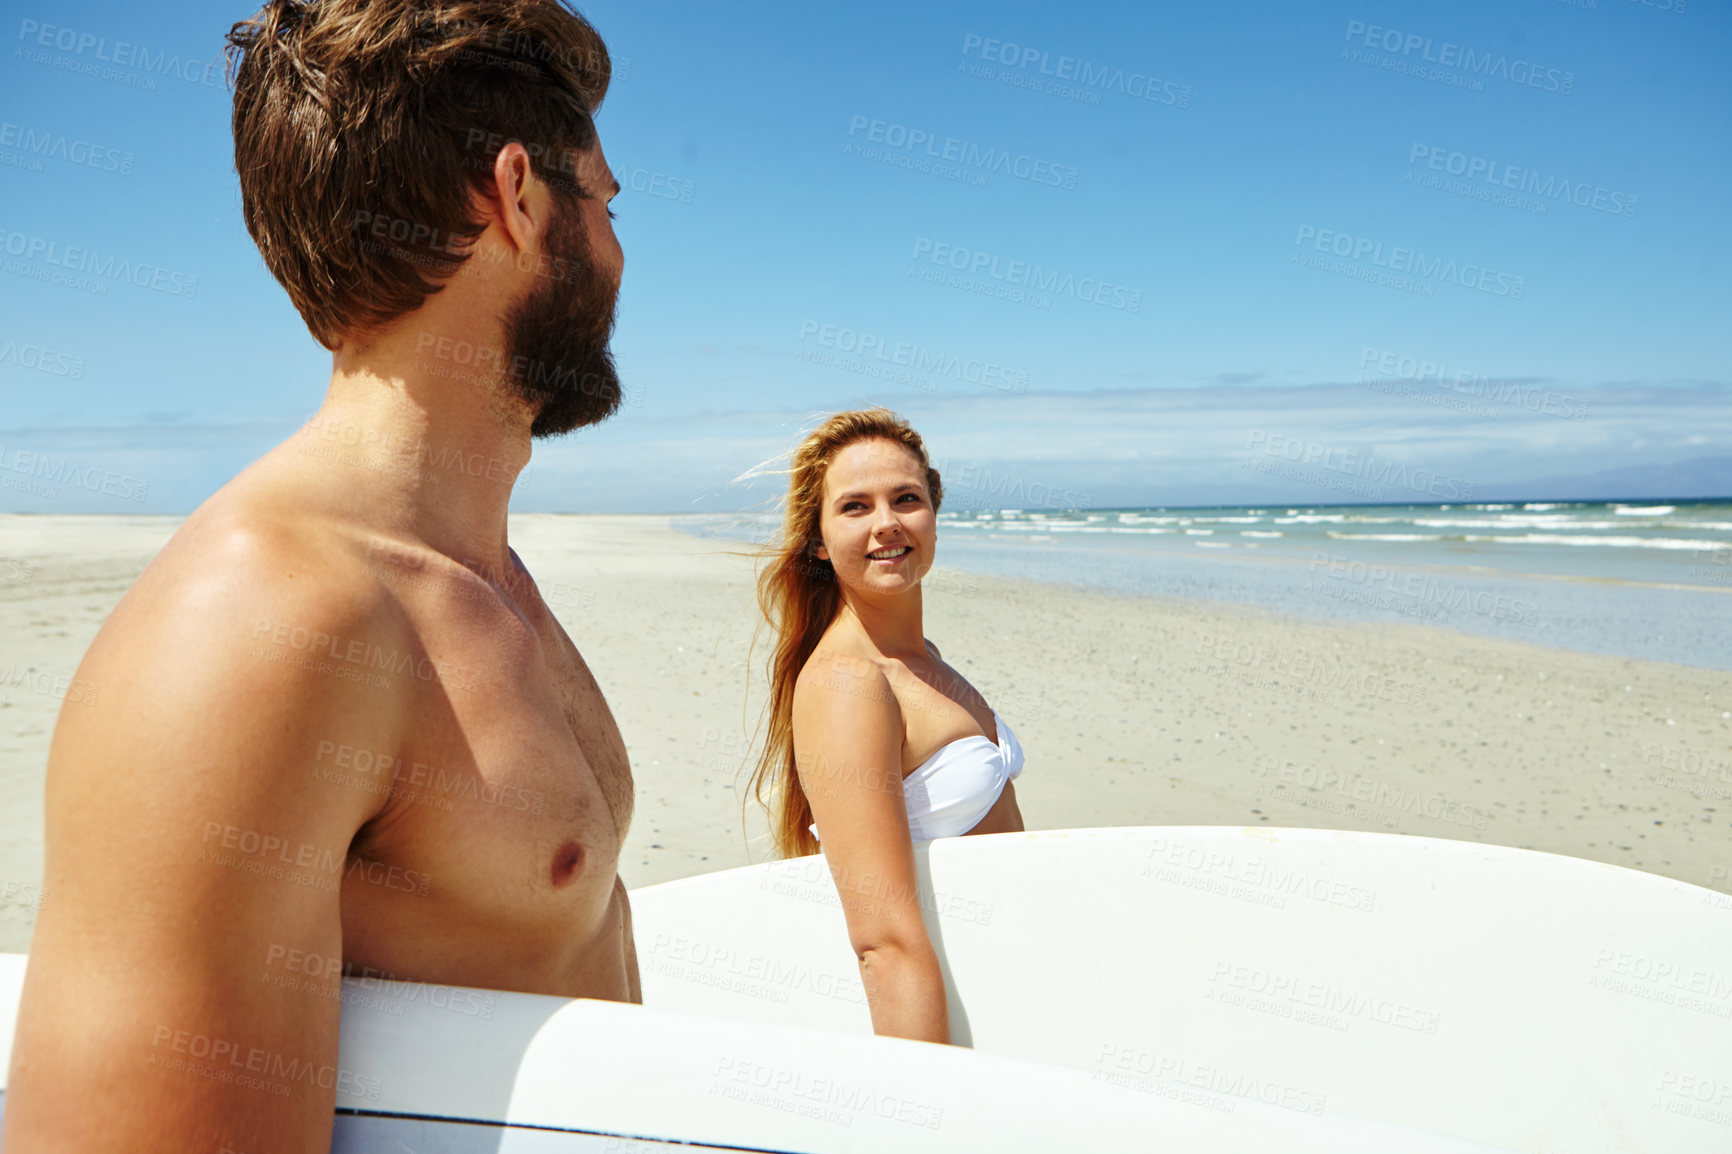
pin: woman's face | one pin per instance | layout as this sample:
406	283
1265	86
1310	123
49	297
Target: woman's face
876	520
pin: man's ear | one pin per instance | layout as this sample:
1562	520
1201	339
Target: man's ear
520	212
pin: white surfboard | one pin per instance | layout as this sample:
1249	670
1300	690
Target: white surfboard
1199	989
422	1071
1524	1000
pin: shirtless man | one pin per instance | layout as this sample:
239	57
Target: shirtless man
340	729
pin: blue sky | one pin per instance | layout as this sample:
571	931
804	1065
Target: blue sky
1305	205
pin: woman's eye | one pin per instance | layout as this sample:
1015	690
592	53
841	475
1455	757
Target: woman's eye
611	214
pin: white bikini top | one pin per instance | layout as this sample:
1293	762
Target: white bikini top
950	792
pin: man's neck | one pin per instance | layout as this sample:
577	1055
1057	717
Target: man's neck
441	442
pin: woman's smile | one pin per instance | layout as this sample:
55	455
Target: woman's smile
890	554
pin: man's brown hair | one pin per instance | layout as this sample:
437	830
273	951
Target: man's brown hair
362	127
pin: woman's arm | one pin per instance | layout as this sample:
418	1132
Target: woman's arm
848	750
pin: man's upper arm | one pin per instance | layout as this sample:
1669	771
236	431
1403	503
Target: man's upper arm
848	749
628	944
184	986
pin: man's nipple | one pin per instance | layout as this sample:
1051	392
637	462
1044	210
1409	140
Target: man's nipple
567	859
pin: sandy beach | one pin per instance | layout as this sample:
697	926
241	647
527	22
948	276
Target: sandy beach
1132	710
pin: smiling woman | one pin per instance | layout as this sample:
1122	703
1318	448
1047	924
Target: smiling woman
872	737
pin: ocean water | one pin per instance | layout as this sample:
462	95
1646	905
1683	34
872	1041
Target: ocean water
1631	579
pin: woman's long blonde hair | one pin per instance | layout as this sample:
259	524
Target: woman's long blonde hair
799	597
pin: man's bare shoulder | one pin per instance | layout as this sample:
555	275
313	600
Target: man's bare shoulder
247	643
239	557
248	611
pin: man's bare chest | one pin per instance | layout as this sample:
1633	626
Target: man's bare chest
514	766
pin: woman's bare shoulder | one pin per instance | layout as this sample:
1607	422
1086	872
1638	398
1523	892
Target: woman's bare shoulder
843	678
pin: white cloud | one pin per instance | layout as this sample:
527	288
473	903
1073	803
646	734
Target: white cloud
1119	447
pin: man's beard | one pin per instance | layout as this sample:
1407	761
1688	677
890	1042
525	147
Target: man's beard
556	338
